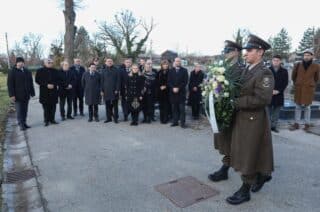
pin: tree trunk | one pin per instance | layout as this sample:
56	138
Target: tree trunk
69	17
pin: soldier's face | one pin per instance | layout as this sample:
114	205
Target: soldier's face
252	56
231	55
307	57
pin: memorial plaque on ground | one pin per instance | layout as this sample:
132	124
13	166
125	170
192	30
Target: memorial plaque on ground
186	191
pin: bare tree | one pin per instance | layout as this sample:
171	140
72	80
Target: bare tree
33	47
56	51
124	34
30	48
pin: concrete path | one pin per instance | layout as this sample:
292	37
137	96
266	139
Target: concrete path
89	167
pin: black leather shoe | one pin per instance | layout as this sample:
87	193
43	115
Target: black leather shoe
174	124
96	119
241	196
108	120
274	129
221	174
116	121
261	180
184	126
70	117
46	124
90	120
54	122
75	114
63	118
26	126
125	118
22	128
82	114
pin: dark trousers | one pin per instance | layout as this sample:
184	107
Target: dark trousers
93	111
49	111
62	104
22	111
148	107
195	106
274	112
165	110
124	106
178	113
77	97
135	116
112	109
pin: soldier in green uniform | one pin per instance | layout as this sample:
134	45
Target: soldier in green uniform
222	140
251	141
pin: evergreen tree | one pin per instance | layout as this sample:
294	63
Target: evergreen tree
281	44
82	45
307	40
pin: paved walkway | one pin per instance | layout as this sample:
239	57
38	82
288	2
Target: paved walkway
89	167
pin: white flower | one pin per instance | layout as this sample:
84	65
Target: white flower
221	70
226	94
214	84
220	78
203	93
216	95
220	63
226	82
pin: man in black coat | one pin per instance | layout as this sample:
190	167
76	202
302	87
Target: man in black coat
281	82
110	88
177	82
124	71
47	78
67	80
20	88
91	82
195	92
78	71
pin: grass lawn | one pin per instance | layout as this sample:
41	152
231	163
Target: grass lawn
4	105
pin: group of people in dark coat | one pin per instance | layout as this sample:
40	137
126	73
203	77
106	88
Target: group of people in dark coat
138	87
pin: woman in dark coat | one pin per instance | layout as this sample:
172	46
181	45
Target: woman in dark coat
91	82
134	93
195	96
163	93
150	92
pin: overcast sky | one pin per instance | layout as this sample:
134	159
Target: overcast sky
195	26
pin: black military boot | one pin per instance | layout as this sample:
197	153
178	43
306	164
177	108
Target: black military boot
241	196
221	174
261	180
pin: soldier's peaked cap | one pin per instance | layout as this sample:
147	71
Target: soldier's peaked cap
231	44
254	42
